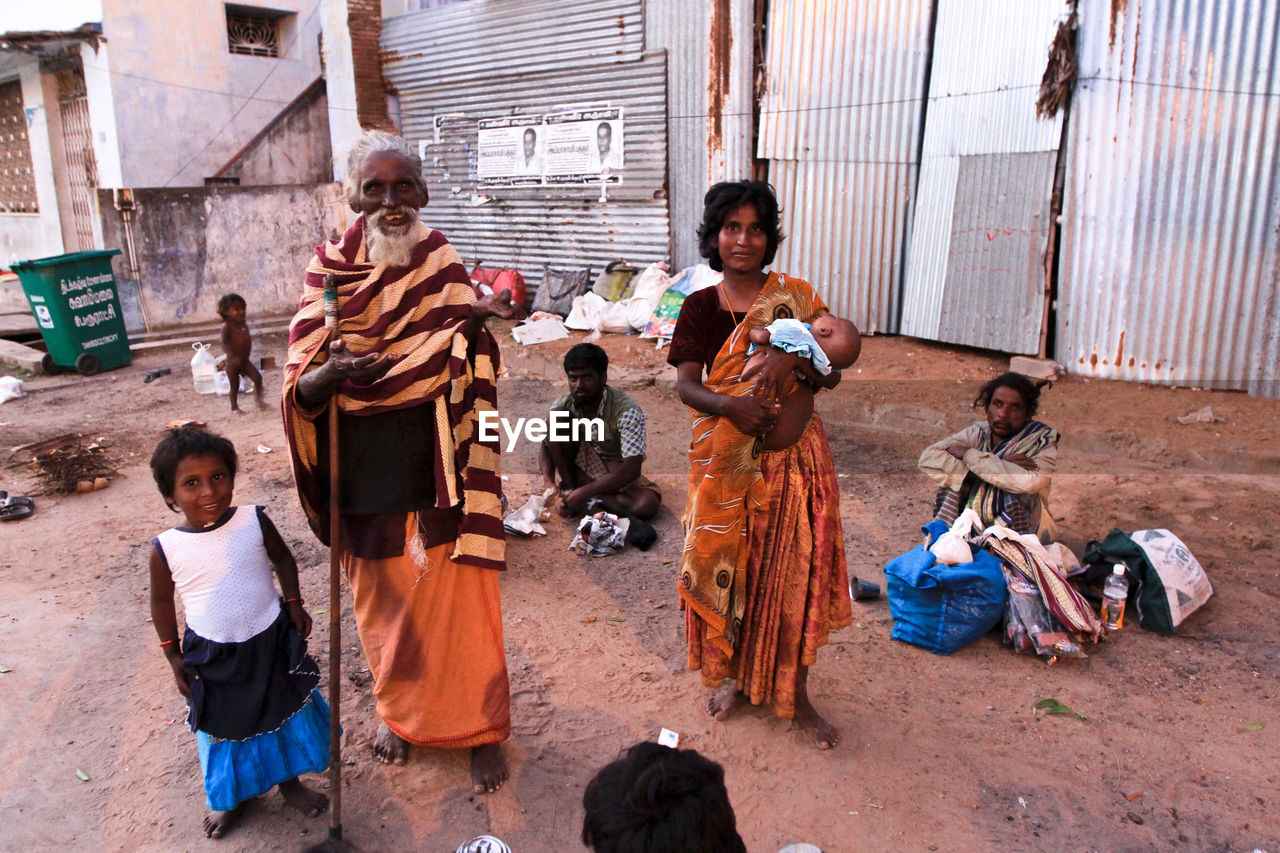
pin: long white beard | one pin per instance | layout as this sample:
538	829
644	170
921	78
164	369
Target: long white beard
392	246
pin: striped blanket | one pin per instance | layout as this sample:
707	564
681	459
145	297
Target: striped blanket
416	313
1025	555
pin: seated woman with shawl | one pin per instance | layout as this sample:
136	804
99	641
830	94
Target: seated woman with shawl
1001	467
762	578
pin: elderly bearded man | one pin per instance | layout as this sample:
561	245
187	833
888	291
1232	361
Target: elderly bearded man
421	534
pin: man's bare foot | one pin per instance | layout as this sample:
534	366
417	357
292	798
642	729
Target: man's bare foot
488	768
815	725
237	410
218	824
310	803
724	701
389	747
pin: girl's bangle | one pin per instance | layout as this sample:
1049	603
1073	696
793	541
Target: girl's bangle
167	643
297	601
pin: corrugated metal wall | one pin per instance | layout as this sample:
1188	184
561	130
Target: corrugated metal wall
975	266
710	104
1171	238
454	65
840	125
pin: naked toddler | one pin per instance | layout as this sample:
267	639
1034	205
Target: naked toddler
237	344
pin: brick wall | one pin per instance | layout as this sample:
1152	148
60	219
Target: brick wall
364	20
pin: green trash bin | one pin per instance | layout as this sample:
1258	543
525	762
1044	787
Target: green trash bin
75	302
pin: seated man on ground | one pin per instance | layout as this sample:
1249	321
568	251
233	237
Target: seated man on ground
1001	467
603	468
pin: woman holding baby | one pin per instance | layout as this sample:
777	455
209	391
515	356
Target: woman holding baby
763	576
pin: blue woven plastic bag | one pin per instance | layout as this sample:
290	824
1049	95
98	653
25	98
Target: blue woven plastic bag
939	607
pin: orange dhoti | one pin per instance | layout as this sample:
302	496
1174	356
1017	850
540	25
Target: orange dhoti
433	639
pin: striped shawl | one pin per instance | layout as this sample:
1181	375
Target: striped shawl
417	314
1030	441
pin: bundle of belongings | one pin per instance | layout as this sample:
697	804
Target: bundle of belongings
1166	582
961	582
600	534
1045	614
661	323
621	301
943	594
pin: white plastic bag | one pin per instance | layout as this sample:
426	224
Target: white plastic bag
649	286
1180	586
11	387
527	520
695	278
591	312
952	547
222	384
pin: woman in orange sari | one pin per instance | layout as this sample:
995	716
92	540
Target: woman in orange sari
763	576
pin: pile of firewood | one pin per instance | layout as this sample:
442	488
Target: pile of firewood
69	463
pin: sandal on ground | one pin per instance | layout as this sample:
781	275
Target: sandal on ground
12	509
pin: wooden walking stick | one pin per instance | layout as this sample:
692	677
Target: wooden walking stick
334	843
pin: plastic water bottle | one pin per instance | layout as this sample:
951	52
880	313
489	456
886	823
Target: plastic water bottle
1115	592
203	368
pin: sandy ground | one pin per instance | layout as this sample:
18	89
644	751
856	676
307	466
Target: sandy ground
1179	751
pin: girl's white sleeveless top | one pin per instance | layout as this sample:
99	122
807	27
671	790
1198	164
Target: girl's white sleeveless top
224	577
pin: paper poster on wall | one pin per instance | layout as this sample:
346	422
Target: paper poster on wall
584	146
510	151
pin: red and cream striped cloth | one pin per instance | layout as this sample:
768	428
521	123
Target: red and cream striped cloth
417	314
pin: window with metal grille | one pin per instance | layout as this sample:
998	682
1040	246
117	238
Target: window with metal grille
253	32
17	178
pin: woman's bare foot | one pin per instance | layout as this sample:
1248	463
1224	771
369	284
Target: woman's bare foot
725	700
310	803
488	768
389	747
218	824
815	725
807	717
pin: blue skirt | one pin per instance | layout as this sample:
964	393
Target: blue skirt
238	770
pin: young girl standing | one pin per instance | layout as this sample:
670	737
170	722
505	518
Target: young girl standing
242	663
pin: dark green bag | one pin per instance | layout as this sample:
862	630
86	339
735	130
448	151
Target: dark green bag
1170	583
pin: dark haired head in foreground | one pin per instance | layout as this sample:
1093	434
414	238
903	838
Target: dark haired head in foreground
660	800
